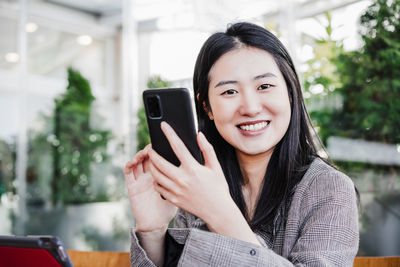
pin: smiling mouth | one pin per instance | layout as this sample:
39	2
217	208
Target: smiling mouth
253	126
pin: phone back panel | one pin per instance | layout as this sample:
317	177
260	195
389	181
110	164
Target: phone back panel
176	110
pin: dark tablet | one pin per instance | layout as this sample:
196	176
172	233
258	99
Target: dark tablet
33	251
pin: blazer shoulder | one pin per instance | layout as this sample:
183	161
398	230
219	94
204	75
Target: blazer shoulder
321	170
323	178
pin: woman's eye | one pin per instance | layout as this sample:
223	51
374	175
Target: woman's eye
264	86
229	92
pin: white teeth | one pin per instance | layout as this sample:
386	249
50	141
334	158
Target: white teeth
254	127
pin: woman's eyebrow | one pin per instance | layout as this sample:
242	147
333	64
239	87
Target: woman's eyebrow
225	82
265	75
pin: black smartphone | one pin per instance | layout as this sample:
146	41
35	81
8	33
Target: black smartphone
174	106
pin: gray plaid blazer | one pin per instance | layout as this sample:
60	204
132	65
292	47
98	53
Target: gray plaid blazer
321	229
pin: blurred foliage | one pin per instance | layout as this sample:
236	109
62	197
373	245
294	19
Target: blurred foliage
321	78
157	82
7	167
76	144
97	239
142	133
357	95
143	137
369	81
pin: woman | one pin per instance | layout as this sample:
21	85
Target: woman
263	196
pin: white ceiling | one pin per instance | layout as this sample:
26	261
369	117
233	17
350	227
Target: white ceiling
150	9
66	17
95	7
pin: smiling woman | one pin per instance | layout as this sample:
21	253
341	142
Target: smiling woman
249	101
263	196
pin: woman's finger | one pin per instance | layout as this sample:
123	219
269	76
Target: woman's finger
163	165
160	178
147	147
135	164
146	163
138	169
177	145
132	168
129	177
167	195
210	158
140	157
128	166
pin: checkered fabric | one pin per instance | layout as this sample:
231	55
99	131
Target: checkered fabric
321	229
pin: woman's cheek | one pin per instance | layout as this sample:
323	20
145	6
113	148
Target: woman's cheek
220	110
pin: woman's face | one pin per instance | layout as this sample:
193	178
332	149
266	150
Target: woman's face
249	100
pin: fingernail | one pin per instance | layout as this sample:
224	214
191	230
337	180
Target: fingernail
151	153
203	138
165	125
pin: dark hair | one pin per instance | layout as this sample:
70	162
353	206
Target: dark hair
295	151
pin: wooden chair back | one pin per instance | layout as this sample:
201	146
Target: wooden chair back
377	262
99	258
121	259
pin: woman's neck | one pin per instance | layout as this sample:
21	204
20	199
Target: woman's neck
253	168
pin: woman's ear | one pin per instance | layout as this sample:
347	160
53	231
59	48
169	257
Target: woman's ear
208	111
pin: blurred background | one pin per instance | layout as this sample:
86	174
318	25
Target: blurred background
71	77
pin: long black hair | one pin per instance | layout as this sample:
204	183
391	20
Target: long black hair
295	151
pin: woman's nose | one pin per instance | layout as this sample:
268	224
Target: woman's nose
250	104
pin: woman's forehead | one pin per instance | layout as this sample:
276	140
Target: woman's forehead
244	63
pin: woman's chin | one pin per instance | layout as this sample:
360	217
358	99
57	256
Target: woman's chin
254	151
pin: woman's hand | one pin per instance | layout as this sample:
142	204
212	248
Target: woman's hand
199	189
151	212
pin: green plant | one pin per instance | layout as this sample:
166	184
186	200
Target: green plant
321	78
370	80
142	133
75	143
7	167
321	70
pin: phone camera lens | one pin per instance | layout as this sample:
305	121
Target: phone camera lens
153	104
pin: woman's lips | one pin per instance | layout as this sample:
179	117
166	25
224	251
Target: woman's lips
253	128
